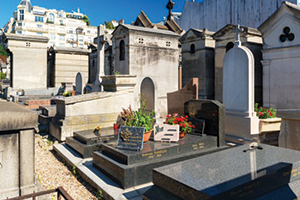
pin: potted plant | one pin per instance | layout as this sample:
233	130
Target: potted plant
185	126
139	118
268	122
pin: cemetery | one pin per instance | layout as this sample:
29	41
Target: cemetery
155	112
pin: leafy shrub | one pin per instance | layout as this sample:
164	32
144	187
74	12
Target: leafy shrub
264	113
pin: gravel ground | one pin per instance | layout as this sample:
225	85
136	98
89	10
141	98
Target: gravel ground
51	172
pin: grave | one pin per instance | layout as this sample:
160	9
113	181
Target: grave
212	112
86	142
245	172
17	127
238	71
131	168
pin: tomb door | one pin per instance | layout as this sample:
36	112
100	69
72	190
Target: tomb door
148	94
79	83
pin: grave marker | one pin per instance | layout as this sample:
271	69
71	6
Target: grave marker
166	133
131	138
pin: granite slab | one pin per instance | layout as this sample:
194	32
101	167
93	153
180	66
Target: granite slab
128	176
153	150
86	142
236	173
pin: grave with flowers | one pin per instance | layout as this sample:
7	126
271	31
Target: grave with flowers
176	140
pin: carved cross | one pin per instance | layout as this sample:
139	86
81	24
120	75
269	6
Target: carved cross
170	6
237	38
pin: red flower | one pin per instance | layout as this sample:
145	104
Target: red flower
193	126
186	116
260	113
168	116
271	114
184	125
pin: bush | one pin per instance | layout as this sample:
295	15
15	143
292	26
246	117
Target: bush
2	75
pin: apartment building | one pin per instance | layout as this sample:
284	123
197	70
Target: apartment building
64	29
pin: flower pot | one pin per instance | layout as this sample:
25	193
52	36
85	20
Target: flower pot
182	134
147	135
98	133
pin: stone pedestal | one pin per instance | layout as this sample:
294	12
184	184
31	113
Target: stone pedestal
17	126
289	136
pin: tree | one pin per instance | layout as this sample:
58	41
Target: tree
3	52
86	20
109	25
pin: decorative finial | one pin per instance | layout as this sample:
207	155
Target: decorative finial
237	39
170	6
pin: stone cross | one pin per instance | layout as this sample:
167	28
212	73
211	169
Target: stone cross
170	6
237	38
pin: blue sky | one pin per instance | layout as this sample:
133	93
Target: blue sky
99	10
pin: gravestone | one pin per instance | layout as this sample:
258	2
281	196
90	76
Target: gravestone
131	138
79	84
238	92
17	129
245	172
208	115
177	99
166	133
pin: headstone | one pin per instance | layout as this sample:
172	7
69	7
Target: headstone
207	115
131	138
177	99
238	92
166	133
79	84
245	172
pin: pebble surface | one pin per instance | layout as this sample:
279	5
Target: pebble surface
51	172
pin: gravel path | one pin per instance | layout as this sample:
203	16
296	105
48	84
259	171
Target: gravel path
51	172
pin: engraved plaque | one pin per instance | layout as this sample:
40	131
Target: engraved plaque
131	138
166	133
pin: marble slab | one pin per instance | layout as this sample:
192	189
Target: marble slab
236	173
166	133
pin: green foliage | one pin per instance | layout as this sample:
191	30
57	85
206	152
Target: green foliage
264	113
139	118
3	52
99	195
74	170
109	25
85	17
117	73
2	75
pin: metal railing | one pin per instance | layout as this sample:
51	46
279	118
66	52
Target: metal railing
61	192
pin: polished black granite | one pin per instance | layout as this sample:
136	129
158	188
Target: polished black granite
131	138
86	142
230	174
153	150
131	168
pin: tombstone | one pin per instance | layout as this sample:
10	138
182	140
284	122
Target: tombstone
259	172
238	92
166	133
148	93
177	99
212	113
17	128
79	84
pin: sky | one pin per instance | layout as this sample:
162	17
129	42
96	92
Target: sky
99	10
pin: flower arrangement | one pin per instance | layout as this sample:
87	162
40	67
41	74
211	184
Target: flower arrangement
139	118
185	126
98	130
264	113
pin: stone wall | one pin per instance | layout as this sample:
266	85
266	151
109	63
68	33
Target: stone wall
214	14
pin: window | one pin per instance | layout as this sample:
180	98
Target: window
19	24
141	40
39	33
61	22
81	45
61	44
168	43
39	26
71	31
19	32
39	19
61	37
21	14
122	50
71	45
88	31
52	36
80	39
51	17
192	48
